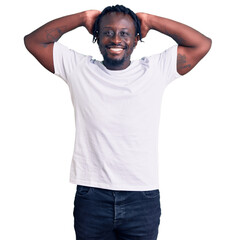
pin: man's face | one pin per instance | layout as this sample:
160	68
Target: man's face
117	40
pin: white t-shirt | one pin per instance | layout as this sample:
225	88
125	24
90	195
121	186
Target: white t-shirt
117	117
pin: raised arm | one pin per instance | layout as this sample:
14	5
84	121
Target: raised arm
192	45
40	42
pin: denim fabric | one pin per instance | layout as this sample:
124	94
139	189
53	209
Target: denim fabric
116	215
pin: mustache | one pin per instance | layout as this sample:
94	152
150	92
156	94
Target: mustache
116	45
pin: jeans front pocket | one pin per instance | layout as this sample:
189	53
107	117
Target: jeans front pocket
83	190
151	194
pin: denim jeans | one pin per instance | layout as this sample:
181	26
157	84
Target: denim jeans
101	214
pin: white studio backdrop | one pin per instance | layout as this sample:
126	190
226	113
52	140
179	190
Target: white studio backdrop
197	131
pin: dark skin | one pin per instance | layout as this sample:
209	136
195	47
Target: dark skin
40	42
116	40
192	45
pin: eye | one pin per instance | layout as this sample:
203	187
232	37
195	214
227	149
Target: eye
124	34
108	33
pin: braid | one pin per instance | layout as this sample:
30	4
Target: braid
117	8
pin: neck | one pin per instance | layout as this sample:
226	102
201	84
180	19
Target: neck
116	66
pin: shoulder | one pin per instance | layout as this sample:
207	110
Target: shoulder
164	64
66	60
62	51
164	56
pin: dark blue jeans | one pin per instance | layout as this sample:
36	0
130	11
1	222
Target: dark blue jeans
101	214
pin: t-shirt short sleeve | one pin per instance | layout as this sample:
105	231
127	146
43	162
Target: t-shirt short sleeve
167	64
65	60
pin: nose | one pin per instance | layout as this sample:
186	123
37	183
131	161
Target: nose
116	38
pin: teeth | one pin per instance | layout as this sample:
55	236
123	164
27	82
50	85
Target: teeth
116	49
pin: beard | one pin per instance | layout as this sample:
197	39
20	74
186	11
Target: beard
114	62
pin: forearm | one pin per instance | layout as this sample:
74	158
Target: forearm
53	30
40	42
181	33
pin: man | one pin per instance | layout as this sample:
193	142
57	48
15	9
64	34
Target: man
117	107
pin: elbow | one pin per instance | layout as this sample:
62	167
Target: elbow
29	43
26	41
207	45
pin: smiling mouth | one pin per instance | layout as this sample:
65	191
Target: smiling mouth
115	50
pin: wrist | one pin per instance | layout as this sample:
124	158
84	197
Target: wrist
148	21
153	21
82	17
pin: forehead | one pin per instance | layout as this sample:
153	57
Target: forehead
117	19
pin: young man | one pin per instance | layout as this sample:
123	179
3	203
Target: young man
117	107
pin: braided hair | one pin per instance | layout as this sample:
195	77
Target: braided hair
121	9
